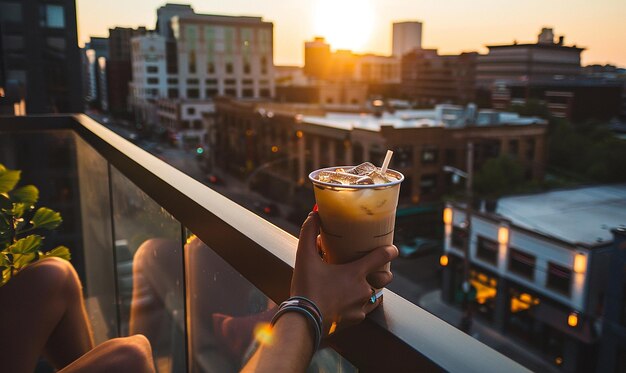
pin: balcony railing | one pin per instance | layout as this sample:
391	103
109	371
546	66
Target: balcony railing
163	255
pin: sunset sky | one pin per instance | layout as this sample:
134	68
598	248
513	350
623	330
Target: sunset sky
452	26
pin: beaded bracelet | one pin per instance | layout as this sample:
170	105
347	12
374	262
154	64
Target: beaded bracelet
305	307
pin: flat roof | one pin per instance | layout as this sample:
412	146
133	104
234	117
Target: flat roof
449	116
582	215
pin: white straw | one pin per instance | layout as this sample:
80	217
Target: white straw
383	169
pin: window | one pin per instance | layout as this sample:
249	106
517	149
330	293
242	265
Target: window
559	278
403	156
450	156
459	237
11	12
530	149
246	68
264	92
192	62
428	184
248	93
521	263
263	65
513	147
191	111
211	81
210	68
429	155
193	81
211	92
230	81
153	80
172	93
172	80
52	16
487	250
230	92
248	81
152	69
229	68
193	93
13	42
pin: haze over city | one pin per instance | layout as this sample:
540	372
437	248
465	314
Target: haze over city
452	26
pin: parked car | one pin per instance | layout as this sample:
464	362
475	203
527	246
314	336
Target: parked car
418	247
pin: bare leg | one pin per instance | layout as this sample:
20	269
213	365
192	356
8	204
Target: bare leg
130	354
42	312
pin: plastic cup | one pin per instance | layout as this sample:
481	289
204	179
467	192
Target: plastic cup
355	219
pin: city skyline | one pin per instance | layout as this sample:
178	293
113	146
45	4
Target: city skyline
448	27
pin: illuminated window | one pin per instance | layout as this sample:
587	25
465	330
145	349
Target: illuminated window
52	16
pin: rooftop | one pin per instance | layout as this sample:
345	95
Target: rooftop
582	215
448	116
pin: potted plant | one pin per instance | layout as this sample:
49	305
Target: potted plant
22	226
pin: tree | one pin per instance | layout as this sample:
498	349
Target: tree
499	176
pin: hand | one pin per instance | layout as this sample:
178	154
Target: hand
341	291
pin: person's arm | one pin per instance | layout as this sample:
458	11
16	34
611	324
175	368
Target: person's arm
341	292
289	350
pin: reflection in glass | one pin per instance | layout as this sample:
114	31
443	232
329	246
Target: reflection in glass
225	314
148	244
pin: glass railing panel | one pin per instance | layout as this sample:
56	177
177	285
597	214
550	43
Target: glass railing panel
150	281
227	316
99	282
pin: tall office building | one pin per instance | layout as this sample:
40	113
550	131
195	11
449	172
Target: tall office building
39	57
224	55
545	59
406	37
119	66
317	58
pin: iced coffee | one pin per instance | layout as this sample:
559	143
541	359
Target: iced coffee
357	209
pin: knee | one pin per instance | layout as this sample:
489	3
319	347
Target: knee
54	274
135	354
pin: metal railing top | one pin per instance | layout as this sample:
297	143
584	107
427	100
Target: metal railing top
399	336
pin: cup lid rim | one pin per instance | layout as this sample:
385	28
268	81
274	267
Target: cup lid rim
367	186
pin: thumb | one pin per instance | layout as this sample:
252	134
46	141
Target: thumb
307	244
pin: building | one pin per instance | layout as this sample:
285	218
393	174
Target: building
95	55
538	267
119	67
165	15
406	36
41	64
224	55
429	78
543	60
308	137
150	79
577	99
317	58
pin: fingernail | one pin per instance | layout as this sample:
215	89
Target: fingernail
315	208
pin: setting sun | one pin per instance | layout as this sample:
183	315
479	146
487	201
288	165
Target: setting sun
346	24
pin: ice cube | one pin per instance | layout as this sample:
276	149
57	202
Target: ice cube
363	169
343	178
378	177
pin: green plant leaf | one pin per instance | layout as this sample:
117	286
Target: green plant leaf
18	210
2	168
46	218
6	275
28	194
8	180
22	260
5	202
4	260
26	245
59	252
